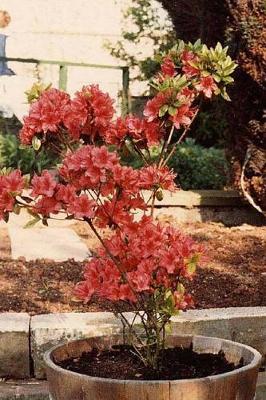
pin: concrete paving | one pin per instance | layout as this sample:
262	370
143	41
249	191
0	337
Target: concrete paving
24	390
57	242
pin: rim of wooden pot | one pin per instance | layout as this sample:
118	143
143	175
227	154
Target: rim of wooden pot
257	357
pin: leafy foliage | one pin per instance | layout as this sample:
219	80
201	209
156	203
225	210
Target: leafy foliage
13	155
199	168
196	167
143	27
209	128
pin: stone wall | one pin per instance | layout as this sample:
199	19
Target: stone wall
24	339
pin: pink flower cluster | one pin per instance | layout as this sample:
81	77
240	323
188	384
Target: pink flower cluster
88	113
10	186
183	114
139	130
87	175
159	261
180	102
142	261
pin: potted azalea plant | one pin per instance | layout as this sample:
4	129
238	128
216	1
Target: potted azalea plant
141	264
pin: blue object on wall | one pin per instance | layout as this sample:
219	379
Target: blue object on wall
4	70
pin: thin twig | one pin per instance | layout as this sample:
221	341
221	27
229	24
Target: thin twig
179	140
165	146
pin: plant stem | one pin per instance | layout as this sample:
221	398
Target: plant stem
180	140
165	146
153	201
123	274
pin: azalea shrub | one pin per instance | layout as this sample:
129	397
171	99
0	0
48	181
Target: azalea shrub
142	263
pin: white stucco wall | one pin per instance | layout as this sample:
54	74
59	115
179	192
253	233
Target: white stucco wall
61	30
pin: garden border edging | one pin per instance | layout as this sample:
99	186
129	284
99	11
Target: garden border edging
24	339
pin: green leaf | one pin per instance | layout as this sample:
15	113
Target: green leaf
45	222
197	44
204	50
159	195
191	268
217	78
5	171
163	110
172	111
205	73
180	80
36	143
225	50
212	53
6	217
168	328
224	94
228	79
16	209
32	222
218	48
181	46
230	69
180	288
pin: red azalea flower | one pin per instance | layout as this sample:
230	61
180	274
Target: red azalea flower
143	131
144	263
26	133
207	86
10	186
102	158
183	116
84	290
140	281
43	184
152	108
126	178
99	109
154	176
7	202
14	182
82	207
135	127
187	57
168	67
46	206
76	115
115	132
65	193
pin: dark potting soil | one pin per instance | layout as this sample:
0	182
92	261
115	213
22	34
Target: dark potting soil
120	362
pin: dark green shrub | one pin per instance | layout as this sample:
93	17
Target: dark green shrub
12	155
198	167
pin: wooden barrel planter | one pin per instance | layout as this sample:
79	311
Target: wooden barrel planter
239	384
